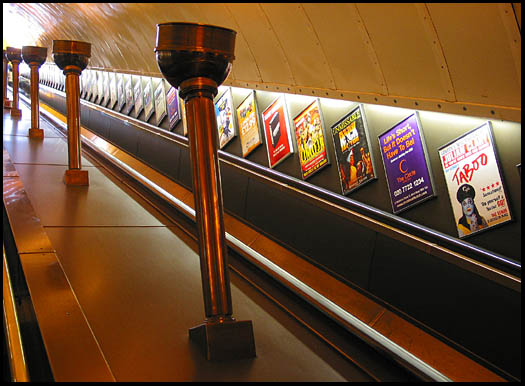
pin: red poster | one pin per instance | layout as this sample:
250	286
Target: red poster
277	131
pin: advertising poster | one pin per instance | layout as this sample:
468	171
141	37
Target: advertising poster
311	144
113	90
249	131
406	164
105	84
224	113
139	96
352	150
172	100
94	86
183	116
277	131
120	92
474	181
160	102
148	100
128	91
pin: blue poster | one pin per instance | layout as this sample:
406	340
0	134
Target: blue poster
406	164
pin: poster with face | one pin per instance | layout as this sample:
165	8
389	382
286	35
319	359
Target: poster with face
224	113
311	143
474	182
406	164
277	131
248	119
352	150
172	100
160	102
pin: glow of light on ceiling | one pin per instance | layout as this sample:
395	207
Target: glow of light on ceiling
18	29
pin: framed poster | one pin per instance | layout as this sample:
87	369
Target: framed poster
249	130
112	90
277	131
474	183
87	84
148	99
139	96
107	91
100	86
172	100
121	97
128	91
183	116
352	150
406	164
94	86
160	102
82	84
311	143
224	113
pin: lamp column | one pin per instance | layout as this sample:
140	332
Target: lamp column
72	58
7	102
15	57
196	59
35	57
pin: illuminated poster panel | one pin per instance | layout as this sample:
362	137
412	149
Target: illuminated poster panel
406	164
128	91
113	90
183	116
94	84
139	96
120	92
160	102
311	143
105	83
277	131
474	182
249	131
224	113
148	100
172	100
352	150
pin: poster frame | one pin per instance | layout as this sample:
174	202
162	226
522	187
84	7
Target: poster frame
113	96
163	113
366	132
149	104
252	95
129	105
138	96
121	100
427	164
228	94
175	118
453	200
288	130
317	103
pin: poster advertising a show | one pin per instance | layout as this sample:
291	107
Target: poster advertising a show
311	143
249	132
474	182
172	100
224	112
406	164
160	102
277	131
352	151
148	100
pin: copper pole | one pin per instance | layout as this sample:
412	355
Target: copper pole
7	102
198	94
34	57
196	58
72	57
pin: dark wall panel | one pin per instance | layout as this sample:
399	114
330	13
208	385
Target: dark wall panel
234	188
159	152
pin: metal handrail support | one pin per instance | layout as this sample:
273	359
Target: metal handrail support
17	361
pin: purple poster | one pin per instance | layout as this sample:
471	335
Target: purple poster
406	164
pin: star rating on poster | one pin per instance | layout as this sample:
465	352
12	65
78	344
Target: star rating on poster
491	186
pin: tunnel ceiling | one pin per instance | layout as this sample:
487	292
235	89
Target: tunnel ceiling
455	58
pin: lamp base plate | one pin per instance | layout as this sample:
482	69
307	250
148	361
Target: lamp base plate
16	112
76	177
36	133
226	340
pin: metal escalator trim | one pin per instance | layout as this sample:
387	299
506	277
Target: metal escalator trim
17	361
